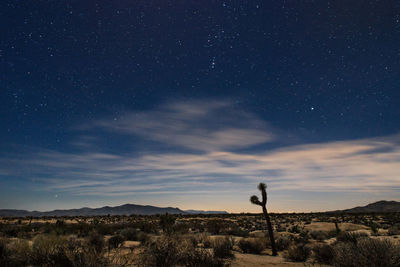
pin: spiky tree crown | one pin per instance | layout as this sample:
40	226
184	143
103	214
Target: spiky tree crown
262	187
255	200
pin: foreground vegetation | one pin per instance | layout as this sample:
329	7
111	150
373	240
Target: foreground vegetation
200	240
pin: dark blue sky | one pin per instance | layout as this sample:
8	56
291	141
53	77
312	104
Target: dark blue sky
97	83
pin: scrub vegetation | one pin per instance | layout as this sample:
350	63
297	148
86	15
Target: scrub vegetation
369	239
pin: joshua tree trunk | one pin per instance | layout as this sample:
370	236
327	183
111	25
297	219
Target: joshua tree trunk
254	199
270	231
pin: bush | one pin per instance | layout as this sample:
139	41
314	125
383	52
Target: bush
252	245
394	230
319	235
207	243
167	251
282	243
167	222
180	228
215	226
367	252
201	258
237	231
20	252
96	242
295	229
82	255
298	252
142	237
222	247
323	253
49	250
130	234
198	257
3	251
161	252
351	237
115	241
333	233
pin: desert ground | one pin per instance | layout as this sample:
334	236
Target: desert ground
304	239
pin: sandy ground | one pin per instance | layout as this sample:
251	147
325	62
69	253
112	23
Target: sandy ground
245	260
326	226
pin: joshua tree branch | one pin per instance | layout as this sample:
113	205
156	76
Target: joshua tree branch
254	199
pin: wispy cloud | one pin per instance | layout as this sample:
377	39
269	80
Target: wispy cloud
208	134
201	126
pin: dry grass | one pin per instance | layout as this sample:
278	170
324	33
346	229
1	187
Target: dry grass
197	245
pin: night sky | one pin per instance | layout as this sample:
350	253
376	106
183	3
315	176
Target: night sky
192	103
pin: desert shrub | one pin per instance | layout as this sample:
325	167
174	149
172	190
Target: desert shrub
194	240
222	247
302	238
115	241
170	251
167	222
201	258
82	255
202	238
207	243
96	242
323	253
10	230
3	252
237	231
180	228
281	228
394	230
103	229
148	227
131	234
215	226
282	243
49	250
162	252
374	228
190	255
333	233
298	252
82	229
319	235
295	229
350	236
19	252
367	252
252	245
142	237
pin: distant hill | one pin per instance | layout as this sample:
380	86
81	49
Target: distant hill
205	212
127	209
380	206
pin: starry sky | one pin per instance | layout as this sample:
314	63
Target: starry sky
191	104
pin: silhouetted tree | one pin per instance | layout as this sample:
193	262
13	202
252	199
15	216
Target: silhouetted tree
254	199
167	222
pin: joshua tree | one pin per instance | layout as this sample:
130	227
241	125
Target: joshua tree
263	204
167	222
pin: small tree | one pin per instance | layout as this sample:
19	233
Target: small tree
263	204
167	222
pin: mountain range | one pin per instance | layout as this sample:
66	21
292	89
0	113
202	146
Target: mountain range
379	206
127	209
130	209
